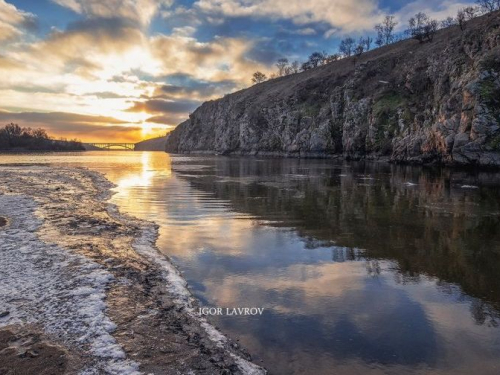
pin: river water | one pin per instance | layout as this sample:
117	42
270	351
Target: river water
361	268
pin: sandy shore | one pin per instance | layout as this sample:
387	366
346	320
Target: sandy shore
84	290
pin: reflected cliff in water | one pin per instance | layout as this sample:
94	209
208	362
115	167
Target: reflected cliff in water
369	267
439	223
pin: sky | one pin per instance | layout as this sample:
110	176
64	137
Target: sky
127	70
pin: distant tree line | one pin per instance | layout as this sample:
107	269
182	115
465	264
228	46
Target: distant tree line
13	137
420	27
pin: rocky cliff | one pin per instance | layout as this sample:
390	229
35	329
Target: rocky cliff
435	102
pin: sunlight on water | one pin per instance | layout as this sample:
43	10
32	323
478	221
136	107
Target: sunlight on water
361	268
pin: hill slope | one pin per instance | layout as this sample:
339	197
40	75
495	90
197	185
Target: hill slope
433	102
155	144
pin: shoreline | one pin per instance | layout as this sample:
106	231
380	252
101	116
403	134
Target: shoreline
340	157
143	317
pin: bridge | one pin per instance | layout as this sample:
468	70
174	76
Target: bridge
113	146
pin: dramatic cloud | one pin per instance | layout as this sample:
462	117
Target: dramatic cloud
141	11
347	15
180	85
221	59
164	106
13	21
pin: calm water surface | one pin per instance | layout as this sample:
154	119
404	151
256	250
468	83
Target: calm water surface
361	268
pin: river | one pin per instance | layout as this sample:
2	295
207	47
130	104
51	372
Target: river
361	268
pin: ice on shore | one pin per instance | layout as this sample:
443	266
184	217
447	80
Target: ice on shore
63	292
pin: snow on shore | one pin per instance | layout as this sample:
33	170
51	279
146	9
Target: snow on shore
63	292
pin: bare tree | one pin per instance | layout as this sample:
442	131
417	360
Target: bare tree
282	65
422	28
12	131
470	12
347	46
258	77
295	67
385	31
360	48
332	58
488	5
39	133
306	66
366	42
430	30
316	58
461	19
449	21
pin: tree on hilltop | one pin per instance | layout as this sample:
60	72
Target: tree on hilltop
259	77
385	31
422	28
346	47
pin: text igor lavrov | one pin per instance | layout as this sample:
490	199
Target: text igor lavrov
231	311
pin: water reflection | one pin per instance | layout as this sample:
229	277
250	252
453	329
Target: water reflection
423	219
362	268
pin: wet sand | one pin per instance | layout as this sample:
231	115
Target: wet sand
86	290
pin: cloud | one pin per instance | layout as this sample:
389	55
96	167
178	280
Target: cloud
183	31
13	21
164	106
140	11
106	95
57	118
220	59
184	85
346	15
434	9
167	119
306	31
330	32
85	44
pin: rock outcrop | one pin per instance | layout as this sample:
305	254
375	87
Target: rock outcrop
435	102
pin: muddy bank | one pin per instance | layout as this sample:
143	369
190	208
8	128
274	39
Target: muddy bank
90	288
25	350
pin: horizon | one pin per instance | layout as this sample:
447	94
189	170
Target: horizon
126	71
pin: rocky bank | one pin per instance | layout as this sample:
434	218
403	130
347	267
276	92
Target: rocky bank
435	102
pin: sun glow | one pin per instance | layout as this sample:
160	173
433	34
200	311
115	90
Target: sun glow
148	129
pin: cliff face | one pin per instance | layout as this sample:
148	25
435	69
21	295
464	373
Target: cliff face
411	102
